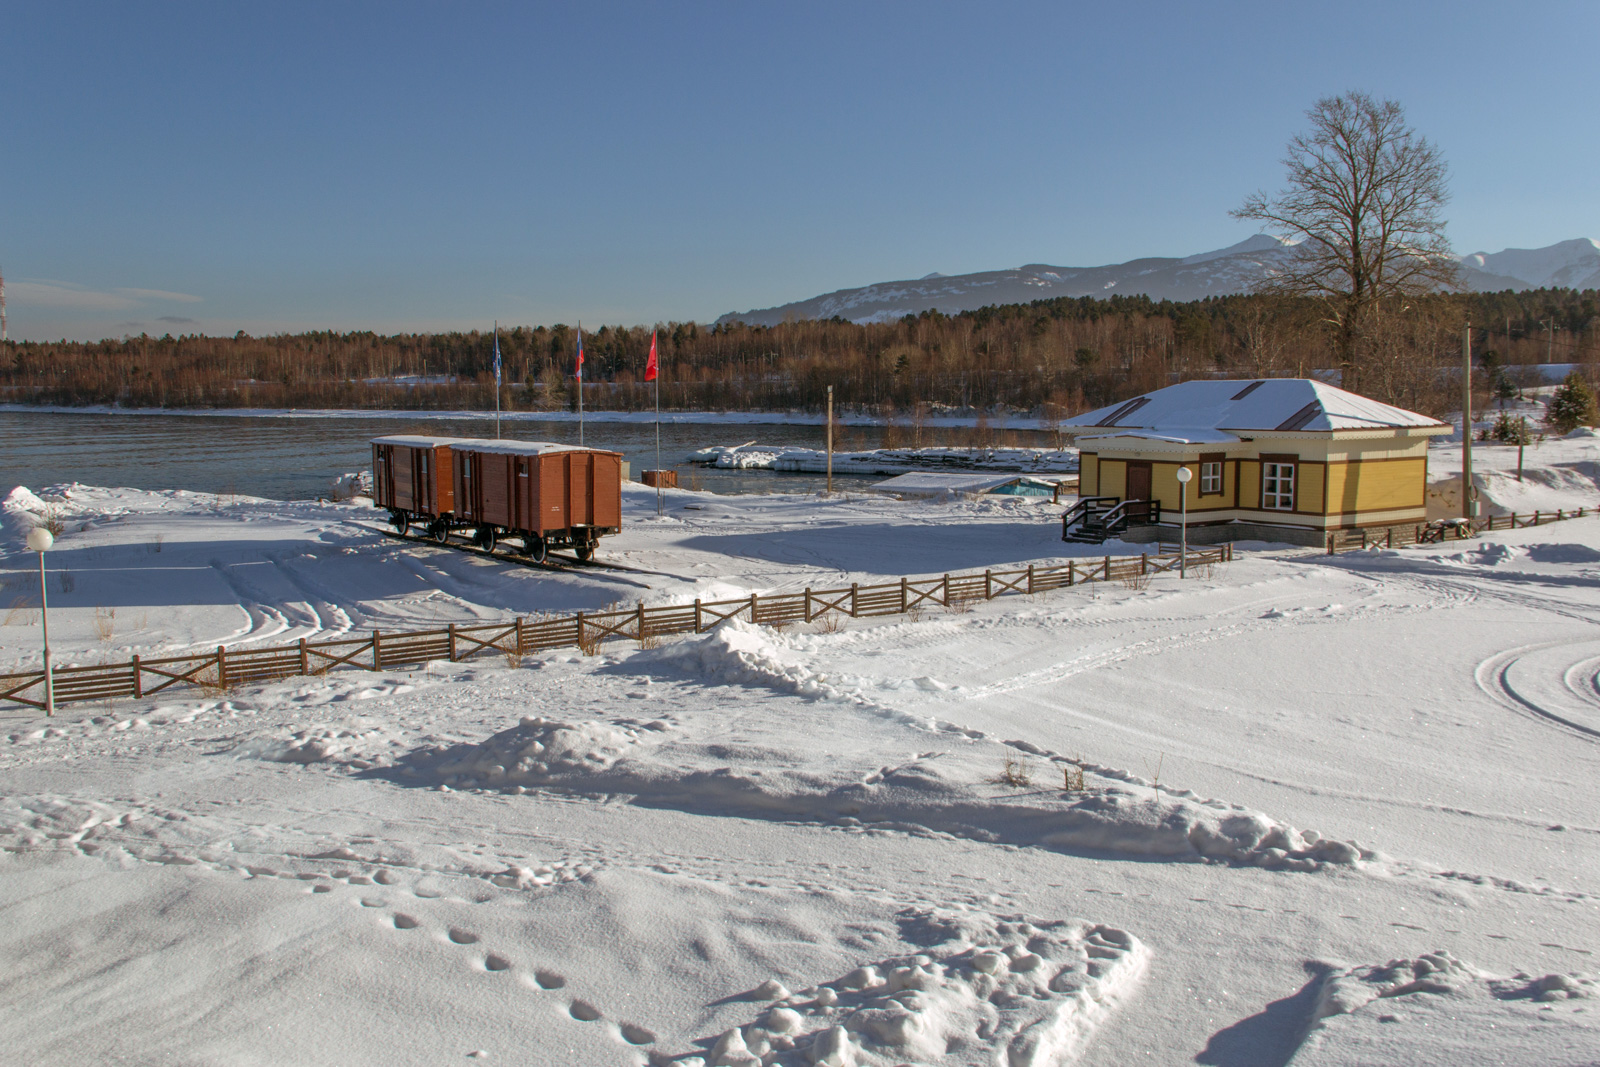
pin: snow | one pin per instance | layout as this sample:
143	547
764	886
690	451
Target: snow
1295	809
1196	410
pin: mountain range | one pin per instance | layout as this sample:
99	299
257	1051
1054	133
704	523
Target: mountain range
1567	264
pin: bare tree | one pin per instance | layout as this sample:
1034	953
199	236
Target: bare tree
1363	201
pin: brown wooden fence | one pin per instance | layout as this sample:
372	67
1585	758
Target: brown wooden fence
228	668
1434	532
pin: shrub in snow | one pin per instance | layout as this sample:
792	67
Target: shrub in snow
1572	405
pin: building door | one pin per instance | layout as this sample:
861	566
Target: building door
1138	481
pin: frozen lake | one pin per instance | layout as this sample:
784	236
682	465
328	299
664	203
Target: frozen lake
297	457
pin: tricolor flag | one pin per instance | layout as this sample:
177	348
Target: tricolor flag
650	364
578	370
497	355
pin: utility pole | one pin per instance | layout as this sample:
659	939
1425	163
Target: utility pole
1469	506
830	440
2	306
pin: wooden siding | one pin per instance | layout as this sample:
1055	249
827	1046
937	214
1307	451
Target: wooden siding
1088	474
1377	485
1113	477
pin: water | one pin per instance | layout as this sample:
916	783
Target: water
298	458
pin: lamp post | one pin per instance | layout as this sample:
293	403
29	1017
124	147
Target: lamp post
40	540
1184	474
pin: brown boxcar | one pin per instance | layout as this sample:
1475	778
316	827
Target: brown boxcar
413	477
548	495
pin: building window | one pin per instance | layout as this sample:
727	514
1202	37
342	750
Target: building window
1277	486
1211	478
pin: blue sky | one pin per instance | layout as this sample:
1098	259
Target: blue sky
395	166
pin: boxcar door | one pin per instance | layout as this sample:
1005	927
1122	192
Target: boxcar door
1138	480
553	492
607	491
444	481
522	502
580	490
382	483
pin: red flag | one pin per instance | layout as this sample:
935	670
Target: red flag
650	364
577	371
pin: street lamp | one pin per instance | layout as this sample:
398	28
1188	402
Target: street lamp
1184	474
40	540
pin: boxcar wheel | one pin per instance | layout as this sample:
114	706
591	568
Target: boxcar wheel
487	538
584	552
400	521
440	531
534	548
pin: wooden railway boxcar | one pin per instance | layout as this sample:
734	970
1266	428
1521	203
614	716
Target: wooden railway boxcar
548	495
413	477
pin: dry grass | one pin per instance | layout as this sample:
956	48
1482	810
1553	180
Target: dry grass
648	639
1135	580
22	612
1014	772
67	581
105	624
1072	778
514	659
589	642
54	520
829	622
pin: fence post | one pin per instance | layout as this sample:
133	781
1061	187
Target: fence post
752	609
639	626
1030	576
580	629
696	614
855	589
903	597
452	642
222	668
1536	516
987	593
1558	514
305	660
1071	577
808	605
1144	562
520	649
1389	540
138	679
947	590
1107	574
377	651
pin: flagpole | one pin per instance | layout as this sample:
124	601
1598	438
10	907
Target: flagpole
580	383
659	473
497	379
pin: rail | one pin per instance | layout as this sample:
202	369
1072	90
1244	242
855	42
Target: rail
224	669
1424	533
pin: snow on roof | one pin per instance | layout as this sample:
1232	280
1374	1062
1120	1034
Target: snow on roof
415	440
524	448
1209	411
918	483
485	444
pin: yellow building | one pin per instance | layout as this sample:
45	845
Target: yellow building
1286	459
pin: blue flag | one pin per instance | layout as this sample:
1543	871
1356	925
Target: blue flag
497	355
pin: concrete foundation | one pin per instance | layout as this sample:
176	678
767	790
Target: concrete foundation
1227	531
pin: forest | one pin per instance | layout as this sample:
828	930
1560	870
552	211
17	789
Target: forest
1049	359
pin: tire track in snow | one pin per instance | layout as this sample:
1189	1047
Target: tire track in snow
1498	677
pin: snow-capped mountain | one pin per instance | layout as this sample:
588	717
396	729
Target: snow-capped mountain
1235	269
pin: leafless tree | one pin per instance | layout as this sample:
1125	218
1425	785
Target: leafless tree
1363	200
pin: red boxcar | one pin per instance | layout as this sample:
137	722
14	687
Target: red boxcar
413	477
548	495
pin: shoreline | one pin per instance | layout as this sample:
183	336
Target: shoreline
710	418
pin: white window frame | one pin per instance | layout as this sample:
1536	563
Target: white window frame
1211	478
1277	485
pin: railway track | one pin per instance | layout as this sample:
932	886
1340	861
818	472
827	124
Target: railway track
553	561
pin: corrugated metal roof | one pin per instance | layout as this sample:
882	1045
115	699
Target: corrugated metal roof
524	448
1191	410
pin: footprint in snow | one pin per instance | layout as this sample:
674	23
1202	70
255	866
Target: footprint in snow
463	937
405	922
549	979
583	1011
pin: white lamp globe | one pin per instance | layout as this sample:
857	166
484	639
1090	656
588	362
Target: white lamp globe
1184	474
40	539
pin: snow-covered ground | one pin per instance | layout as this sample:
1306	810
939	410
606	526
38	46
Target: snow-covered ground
1308	809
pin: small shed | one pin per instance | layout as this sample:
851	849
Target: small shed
1278	458
940	483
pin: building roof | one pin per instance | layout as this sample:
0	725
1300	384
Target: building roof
414	440
1205	412
486	444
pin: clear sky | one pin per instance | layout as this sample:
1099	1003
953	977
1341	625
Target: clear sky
396	166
